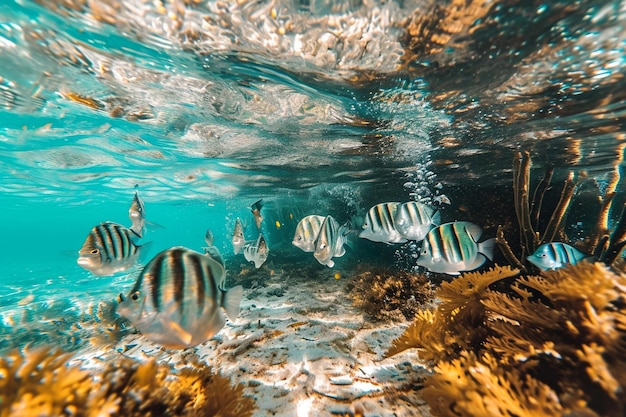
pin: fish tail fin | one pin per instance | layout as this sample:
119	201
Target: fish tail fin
436	219
232	299
487	247
257	205
143	250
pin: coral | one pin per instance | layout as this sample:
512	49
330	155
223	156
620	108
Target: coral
547	345
42	383
390	295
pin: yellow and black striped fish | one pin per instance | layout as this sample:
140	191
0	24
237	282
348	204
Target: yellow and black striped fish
453	247
379	225
306	232
109	248
178	299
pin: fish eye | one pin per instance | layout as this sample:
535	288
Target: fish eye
135	296
299	237
95	251
121	298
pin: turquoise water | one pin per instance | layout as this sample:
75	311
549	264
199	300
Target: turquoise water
316	107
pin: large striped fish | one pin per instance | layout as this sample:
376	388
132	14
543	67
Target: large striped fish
414	220
453	247
178	300
109	248
555	255
330	241
379	225
306	232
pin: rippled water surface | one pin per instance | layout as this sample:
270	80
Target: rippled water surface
327	107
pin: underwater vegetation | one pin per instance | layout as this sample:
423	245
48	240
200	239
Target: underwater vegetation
552	344
63	324
40	382
387	295
605	244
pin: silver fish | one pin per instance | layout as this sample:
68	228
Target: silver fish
178	299
555	255
256	212
238	239
109	248
211	250
379	225
330	241
137	215
306	232
414	220
452	248
256	253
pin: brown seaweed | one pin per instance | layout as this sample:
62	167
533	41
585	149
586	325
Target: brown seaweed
552	345
390	295
42	382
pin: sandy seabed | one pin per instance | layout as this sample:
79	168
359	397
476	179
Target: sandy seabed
300	348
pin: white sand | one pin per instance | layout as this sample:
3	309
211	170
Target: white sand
305	351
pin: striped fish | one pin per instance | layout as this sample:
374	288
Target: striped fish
453	247
329	242
238	239
306	232
256	253
137	215
177	300
109	248
414	220
379	225
555	255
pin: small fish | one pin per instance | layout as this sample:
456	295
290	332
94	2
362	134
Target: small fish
414	220
238	239
137	215
212	250
306	232
379	225
329	242
109	248
256	211
555	255
208	237
178	299
452	248
256	253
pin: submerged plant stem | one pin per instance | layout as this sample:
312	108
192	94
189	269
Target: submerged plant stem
521	181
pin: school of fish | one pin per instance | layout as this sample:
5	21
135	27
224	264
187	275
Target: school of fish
180	299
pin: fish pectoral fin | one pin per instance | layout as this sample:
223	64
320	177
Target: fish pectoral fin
178	332
478	262
232	299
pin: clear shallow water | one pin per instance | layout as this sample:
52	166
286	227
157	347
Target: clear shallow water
315	107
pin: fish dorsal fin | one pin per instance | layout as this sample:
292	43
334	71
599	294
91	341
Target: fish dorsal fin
474	230
231	301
